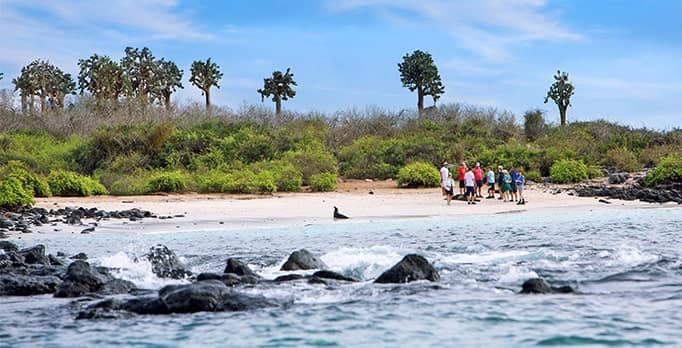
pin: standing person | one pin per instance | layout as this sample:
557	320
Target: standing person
520	183
500	180
444	172
478	175
491	182
506	186
449	187
470	182
461	171
513	174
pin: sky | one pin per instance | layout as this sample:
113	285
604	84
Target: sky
624	57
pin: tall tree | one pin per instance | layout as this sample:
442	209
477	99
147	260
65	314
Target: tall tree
23	84
204	76
168	78
46	82
140	67
279	87
561	91
102	77
419	72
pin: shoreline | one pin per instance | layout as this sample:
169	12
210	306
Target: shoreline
362	201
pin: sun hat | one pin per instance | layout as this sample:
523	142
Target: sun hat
478	164
445	163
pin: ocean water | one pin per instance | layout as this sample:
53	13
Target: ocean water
625	264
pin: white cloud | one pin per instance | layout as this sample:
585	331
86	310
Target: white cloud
486	27
156	19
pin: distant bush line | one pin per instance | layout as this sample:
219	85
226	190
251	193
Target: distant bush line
133	150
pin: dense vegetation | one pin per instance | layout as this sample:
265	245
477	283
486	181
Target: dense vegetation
253	150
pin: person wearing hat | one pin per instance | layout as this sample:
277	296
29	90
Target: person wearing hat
444	171
478	175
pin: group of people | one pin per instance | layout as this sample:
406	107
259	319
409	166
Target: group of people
510	183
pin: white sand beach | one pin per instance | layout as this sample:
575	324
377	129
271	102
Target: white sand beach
362	201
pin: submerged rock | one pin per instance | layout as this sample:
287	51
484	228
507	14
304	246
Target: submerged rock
411	268
325	274
302	260
165	263
539	286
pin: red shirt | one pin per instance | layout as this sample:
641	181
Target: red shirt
478	173
461	171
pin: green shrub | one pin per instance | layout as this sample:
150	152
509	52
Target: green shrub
13	194
174	181
311	160
130	183
323	182
419	174
568	171
594	172
213	181
64	183
265	182
35	185
287	178
668	170
621	159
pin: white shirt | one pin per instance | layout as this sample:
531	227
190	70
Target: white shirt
469	179
444	171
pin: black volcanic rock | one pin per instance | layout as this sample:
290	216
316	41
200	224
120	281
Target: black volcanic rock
302	260
539	286
411	268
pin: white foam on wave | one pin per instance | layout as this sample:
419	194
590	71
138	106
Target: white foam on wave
631	256
517	274
135	269
361	263
486	257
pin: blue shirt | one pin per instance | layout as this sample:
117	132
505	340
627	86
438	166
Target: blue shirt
520	180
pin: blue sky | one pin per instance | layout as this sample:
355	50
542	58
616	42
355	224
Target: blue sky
623	56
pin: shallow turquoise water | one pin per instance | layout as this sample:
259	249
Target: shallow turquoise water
627	266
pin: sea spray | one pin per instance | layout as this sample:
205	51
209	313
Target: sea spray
135	269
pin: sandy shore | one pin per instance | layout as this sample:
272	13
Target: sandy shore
361	200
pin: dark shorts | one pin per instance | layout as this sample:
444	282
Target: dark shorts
505	187
513	187
479	183
470	191
449	192
461	184
491	186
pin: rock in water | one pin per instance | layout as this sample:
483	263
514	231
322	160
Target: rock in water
302	259
338	215
333	275
165	263
80	279
26	285
539	286
411	268
239	268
